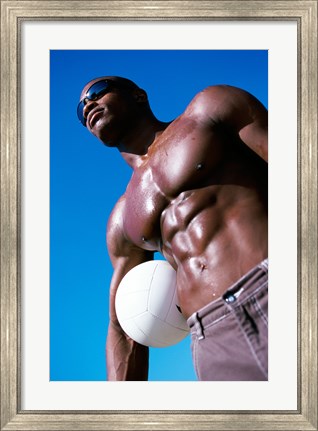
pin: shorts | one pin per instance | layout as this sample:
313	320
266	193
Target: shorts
230	335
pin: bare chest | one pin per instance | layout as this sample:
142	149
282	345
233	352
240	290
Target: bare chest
180	160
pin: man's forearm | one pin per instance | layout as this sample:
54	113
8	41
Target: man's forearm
126	359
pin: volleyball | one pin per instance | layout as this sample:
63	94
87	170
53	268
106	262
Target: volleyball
147	307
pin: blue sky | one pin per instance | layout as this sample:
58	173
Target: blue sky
86	179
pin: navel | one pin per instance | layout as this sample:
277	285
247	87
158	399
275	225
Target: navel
202	267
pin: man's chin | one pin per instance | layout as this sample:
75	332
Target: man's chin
104	137
107	141
106	133
109	144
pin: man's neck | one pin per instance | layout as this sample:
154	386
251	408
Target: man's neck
135	147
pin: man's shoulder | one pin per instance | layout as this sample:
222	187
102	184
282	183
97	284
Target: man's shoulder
216	102
117	212
217	93
115	236
218	89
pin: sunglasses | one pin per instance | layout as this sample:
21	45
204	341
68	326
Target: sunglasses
95	92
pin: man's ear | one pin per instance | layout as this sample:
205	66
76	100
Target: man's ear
140	95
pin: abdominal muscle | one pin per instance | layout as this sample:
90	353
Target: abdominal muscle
212	236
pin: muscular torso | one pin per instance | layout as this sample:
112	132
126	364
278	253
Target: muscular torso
200	198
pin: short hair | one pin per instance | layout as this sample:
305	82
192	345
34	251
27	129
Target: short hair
124	82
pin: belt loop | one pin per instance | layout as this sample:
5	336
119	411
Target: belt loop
264	265
198	327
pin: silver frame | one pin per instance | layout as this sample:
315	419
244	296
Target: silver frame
12	14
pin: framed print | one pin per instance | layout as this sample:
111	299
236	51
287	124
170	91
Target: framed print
178	75
47	49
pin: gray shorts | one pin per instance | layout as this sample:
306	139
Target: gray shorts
230	335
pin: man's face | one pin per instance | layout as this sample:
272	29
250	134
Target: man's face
110	115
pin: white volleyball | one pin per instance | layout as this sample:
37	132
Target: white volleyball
147	307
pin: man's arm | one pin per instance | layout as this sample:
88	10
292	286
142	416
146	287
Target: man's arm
126	359
237	109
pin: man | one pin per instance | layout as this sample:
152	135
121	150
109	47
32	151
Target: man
198	194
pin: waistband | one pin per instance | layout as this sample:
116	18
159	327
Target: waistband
239	292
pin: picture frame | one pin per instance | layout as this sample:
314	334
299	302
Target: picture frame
13	13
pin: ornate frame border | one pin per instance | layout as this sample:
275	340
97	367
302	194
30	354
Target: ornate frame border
12	14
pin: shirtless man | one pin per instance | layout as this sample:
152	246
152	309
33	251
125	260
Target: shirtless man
198	195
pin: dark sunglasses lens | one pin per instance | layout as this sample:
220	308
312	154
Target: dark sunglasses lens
96	91
80	112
